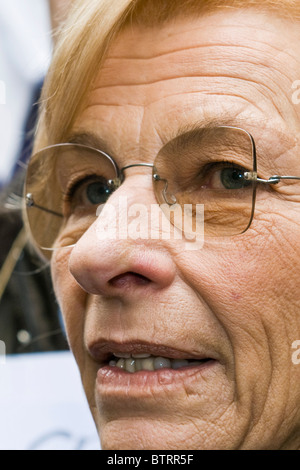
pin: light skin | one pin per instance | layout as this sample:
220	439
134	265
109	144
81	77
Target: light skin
237	299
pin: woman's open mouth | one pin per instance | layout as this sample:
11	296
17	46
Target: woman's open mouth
140	369
146	362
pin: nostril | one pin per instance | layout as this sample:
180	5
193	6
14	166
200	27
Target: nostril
129	279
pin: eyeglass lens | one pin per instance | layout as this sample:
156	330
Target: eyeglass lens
206	168
66	183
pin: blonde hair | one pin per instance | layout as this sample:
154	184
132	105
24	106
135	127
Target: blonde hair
90	29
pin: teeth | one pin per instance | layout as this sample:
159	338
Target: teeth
130	365
138	365
121	363
147	364
138	362
122	355
180	363
135	356
141	356
161	363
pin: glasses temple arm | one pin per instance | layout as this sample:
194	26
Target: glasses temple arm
30	203
252	176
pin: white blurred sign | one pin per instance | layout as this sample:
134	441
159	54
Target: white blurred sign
42	404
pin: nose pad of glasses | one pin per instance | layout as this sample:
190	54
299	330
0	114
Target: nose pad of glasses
169	199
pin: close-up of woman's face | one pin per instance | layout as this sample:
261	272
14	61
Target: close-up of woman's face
182	346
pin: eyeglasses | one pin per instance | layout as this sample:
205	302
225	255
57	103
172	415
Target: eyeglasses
212	167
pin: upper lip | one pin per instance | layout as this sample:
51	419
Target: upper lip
102	350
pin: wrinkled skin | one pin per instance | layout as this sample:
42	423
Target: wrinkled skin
238	298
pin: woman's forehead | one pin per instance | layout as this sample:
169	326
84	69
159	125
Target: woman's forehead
192	71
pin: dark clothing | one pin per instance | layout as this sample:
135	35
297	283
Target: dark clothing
29	314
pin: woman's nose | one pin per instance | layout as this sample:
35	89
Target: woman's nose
110	259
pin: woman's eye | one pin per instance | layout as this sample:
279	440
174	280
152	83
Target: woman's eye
97	193
87	193
226	177
233	178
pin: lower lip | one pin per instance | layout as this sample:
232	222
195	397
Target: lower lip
112	380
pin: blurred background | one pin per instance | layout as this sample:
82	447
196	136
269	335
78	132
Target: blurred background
25	39
41	399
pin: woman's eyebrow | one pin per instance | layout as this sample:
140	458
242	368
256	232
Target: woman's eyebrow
93	140
195	130
208	123
90	139
192	131
267	139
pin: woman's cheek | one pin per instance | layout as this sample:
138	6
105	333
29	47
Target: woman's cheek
71	300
